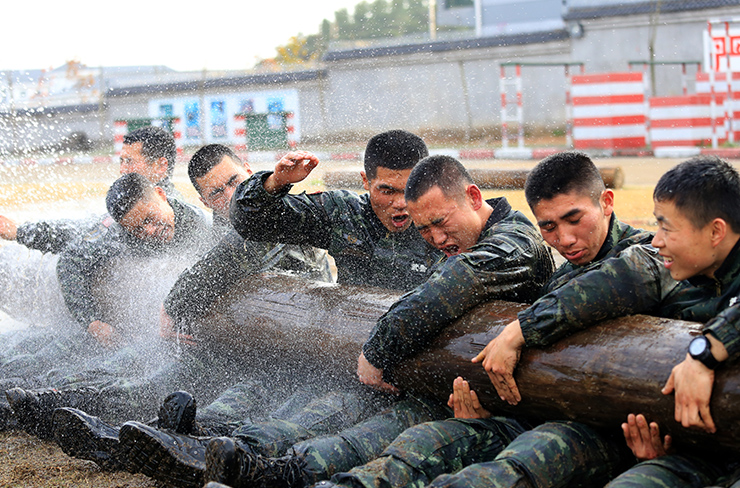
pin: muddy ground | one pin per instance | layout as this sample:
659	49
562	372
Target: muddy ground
35	192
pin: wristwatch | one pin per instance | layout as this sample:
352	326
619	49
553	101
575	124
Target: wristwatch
701	350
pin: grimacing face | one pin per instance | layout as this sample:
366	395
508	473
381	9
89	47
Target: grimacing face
449	224
573	225
386	197
217	186
151	219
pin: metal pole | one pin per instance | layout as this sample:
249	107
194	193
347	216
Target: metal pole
519	108
712	95
729	104
478	18
568	109
433	19
504	131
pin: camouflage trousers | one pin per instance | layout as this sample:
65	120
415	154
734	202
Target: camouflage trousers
495	452
677	471
304	415
365	441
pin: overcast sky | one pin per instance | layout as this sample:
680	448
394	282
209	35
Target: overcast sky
212	34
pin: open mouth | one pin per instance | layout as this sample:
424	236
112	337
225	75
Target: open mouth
451	250
400	220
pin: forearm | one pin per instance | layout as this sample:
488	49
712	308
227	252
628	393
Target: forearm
418	317
49	236
622	286
211	277
725	328
291	219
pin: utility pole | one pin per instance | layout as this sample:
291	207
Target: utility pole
433	19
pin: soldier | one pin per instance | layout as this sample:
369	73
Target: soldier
490	248
367	235
149	151
148	224
215	172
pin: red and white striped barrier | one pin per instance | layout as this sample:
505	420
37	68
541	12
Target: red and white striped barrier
120	129
290	129
609	111
685	121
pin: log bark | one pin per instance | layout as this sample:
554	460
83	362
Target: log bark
596	376
485	178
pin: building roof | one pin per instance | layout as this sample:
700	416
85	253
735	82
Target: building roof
225	82
647	7
441	46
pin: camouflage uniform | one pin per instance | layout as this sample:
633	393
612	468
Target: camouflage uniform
428	450
719	308
343	223
232	259
54	235
509	262
79	264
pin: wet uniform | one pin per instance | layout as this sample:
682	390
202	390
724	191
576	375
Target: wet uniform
509	262
341	222
424	452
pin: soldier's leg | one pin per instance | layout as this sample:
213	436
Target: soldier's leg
427	450
327	414
324	456
672	470
555	454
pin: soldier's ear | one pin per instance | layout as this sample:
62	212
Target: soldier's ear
365	181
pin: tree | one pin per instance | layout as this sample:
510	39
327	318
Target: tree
376	20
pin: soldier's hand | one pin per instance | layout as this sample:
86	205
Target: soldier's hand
104	333
167	329
372	376
500	357
693	383
292	168
464	401
8	228
644	440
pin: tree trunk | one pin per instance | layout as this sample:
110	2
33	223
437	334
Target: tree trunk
596	376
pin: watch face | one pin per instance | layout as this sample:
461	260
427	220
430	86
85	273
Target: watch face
698	346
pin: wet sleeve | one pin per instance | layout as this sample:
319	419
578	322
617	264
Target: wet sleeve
290	219
76	271
631	283
726	328
200	285
53	235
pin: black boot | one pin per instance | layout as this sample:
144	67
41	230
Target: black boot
176	459
34	409
235	464
177	413
86	437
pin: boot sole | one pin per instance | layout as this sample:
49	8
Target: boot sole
79	439
220	458
158	456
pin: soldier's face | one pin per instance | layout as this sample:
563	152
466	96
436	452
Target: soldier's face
686	250
450	225
574	225
151	219
386	197
217	186
133	161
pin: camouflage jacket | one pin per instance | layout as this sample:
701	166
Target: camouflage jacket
232	259
54	235
81	261
619	237
721	303
343	223
509	262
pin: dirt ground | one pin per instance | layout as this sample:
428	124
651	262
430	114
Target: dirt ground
55	191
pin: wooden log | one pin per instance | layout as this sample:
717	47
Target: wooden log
485	178
597	376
